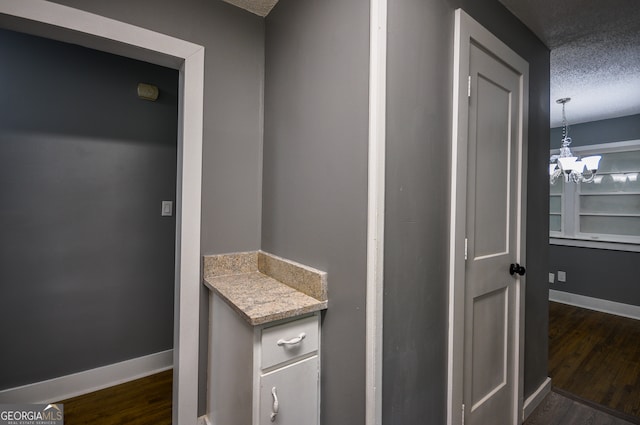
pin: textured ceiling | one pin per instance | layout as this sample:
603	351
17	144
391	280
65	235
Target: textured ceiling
595	54
259	7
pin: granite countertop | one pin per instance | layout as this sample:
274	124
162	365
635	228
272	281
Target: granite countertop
263	288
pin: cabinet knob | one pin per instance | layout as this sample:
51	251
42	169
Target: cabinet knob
276	405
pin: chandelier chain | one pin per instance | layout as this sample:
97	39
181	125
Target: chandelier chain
566	163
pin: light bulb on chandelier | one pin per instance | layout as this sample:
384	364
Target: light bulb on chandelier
568	165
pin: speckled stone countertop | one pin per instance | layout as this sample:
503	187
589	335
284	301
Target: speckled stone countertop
264	288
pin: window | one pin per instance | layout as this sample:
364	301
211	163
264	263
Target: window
605	213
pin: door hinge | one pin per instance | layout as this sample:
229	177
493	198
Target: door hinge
466	244
462	414
469	86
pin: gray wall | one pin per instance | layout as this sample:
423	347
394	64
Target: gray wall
599	273
315	173
86	260
419	91
420	54
234	71
596	132
233	89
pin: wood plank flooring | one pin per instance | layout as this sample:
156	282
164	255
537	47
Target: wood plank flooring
145	401
558	409
595	356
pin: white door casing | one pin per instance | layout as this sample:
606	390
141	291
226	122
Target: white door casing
486	306
58	22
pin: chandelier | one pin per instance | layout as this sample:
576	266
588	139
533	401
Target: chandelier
567	164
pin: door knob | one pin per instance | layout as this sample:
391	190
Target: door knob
517	268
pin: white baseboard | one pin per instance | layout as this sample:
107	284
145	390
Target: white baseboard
536	398
76	384
605	306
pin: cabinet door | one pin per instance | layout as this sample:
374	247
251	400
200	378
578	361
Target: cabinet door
295	387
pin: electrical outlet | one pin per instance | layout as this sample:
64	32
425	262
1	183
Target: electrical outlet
167	208
562	276
552	277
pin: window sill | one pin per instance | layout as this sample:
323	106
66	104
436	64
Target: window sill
582	243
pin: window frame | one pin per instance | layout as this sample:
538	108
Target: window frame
570	234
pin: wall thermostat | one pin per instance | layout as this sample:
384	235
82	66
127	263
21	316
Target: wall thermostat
148	92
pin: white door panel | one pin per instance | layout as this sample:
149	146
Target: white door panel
491	230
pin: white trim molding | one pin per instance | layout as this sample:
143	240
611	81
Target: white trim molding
64	387
375	208
534	400
58	22
597	304
582	243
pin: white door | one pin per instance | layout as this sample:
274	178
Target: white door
492	193
487	230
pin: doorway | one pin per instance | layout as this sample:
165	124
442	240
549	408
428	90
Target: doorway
85	165
65	24
487	228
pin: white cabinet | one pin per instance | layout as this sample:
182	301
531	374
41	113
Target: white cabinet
262	375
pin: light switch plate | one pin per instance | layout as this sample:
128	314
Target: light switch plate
562	276
167	208
552	277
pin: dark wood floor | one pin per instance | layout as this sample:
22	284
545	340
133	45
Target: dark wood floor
558	409
595	356
145	401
